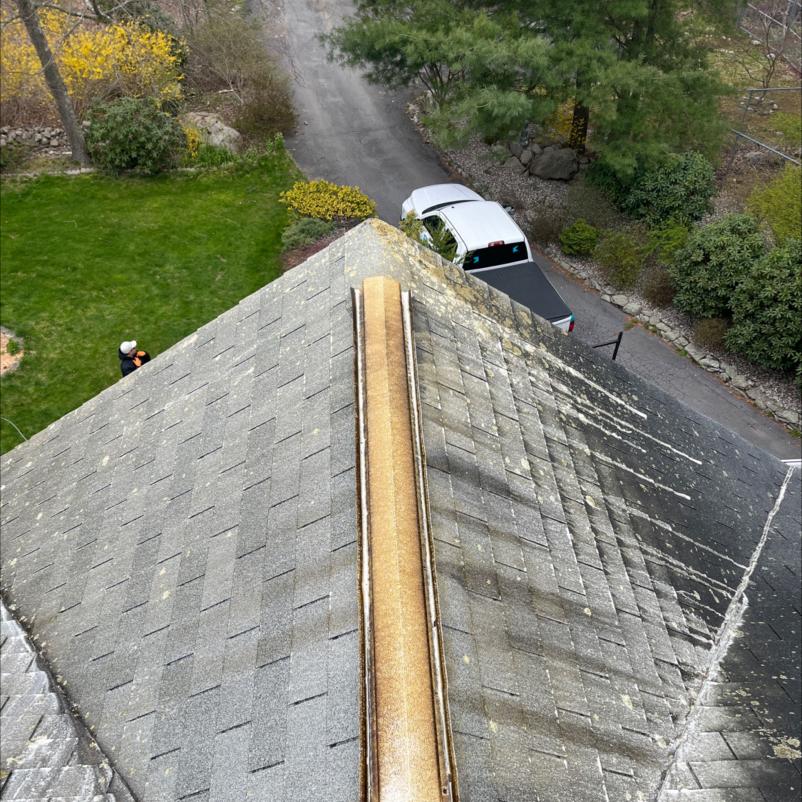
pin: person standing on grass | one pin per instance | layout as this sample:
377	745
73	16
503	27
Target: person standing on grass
130	358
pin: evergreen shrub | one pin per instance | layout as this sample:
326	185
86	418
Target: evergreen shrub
678	189
779	204
133	134
621	257
707	270
328	201
767	310
579	239
305	231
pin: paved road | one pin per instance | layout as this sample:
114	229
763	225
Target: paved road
352	132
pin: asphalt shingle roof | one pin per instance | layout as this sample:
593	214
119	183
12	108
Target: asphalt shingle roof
591	536
185	547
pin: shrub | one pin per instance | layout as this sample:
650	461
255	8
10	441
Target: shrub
226	52
790	126
714	261
579	239
96	61
587	202
679	189
666	240
131	133
305	231
12	347
194	141
546	226
767	310
779	204
710	332
267	105
328	201
12	156
621	258
656	285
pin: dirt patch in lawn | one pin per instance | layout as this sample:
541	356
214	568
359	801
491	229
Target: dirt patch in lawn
11	351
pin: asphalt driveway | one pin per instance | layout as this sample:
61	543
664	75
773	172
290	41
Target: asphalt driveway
352	132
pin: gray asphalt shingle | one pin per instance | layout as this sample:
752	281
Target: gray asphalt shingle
195	535
187	544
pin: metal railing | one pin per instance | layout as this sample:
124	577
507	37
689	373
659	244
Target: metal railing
616	342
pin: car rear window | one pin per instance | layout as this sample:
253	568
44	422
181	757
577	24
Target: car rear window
497	255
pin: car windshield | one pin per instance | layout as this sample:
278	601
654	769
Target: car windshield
496	255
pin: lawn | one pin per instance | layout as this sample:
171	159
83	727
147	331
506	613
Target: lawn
90	261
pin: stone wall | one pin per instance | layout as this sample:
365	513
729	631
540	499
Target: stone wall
43	136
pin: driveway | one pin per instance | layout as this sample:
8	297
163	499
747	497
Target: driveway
352	132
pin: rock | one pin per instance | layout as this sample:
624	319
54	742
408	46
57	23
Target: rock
516	149
632	308
213	130
671	335
741	382
606	297
620	300
54	142
789	416
755	393
761	157
526	156
711	364
536	149
555	164
694	352
681	341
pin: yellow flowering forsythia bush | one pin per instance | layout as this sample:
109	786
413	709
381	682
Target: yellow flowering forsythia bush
328	201
95	61
194	140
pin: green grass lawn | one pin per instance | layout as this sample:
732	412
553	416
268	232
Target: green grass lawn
90	261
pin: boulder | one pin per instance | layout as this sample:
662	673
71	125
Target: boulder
516	149
710	363
741	382
620	300
632	308
694	352
526	156
213	130
555	164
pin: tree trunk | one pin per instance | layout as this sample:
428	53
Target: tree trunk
54	82
579	127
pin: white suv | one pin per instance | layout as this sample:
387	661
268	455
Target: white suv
487	241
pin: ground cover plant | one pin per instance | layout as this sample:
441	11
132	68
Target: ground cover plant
92	260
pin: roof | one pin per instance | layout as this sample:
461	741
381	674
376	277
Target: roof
185	548
46	751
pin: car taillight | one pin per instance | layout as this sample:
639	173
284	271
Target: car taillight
571	324
493	244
